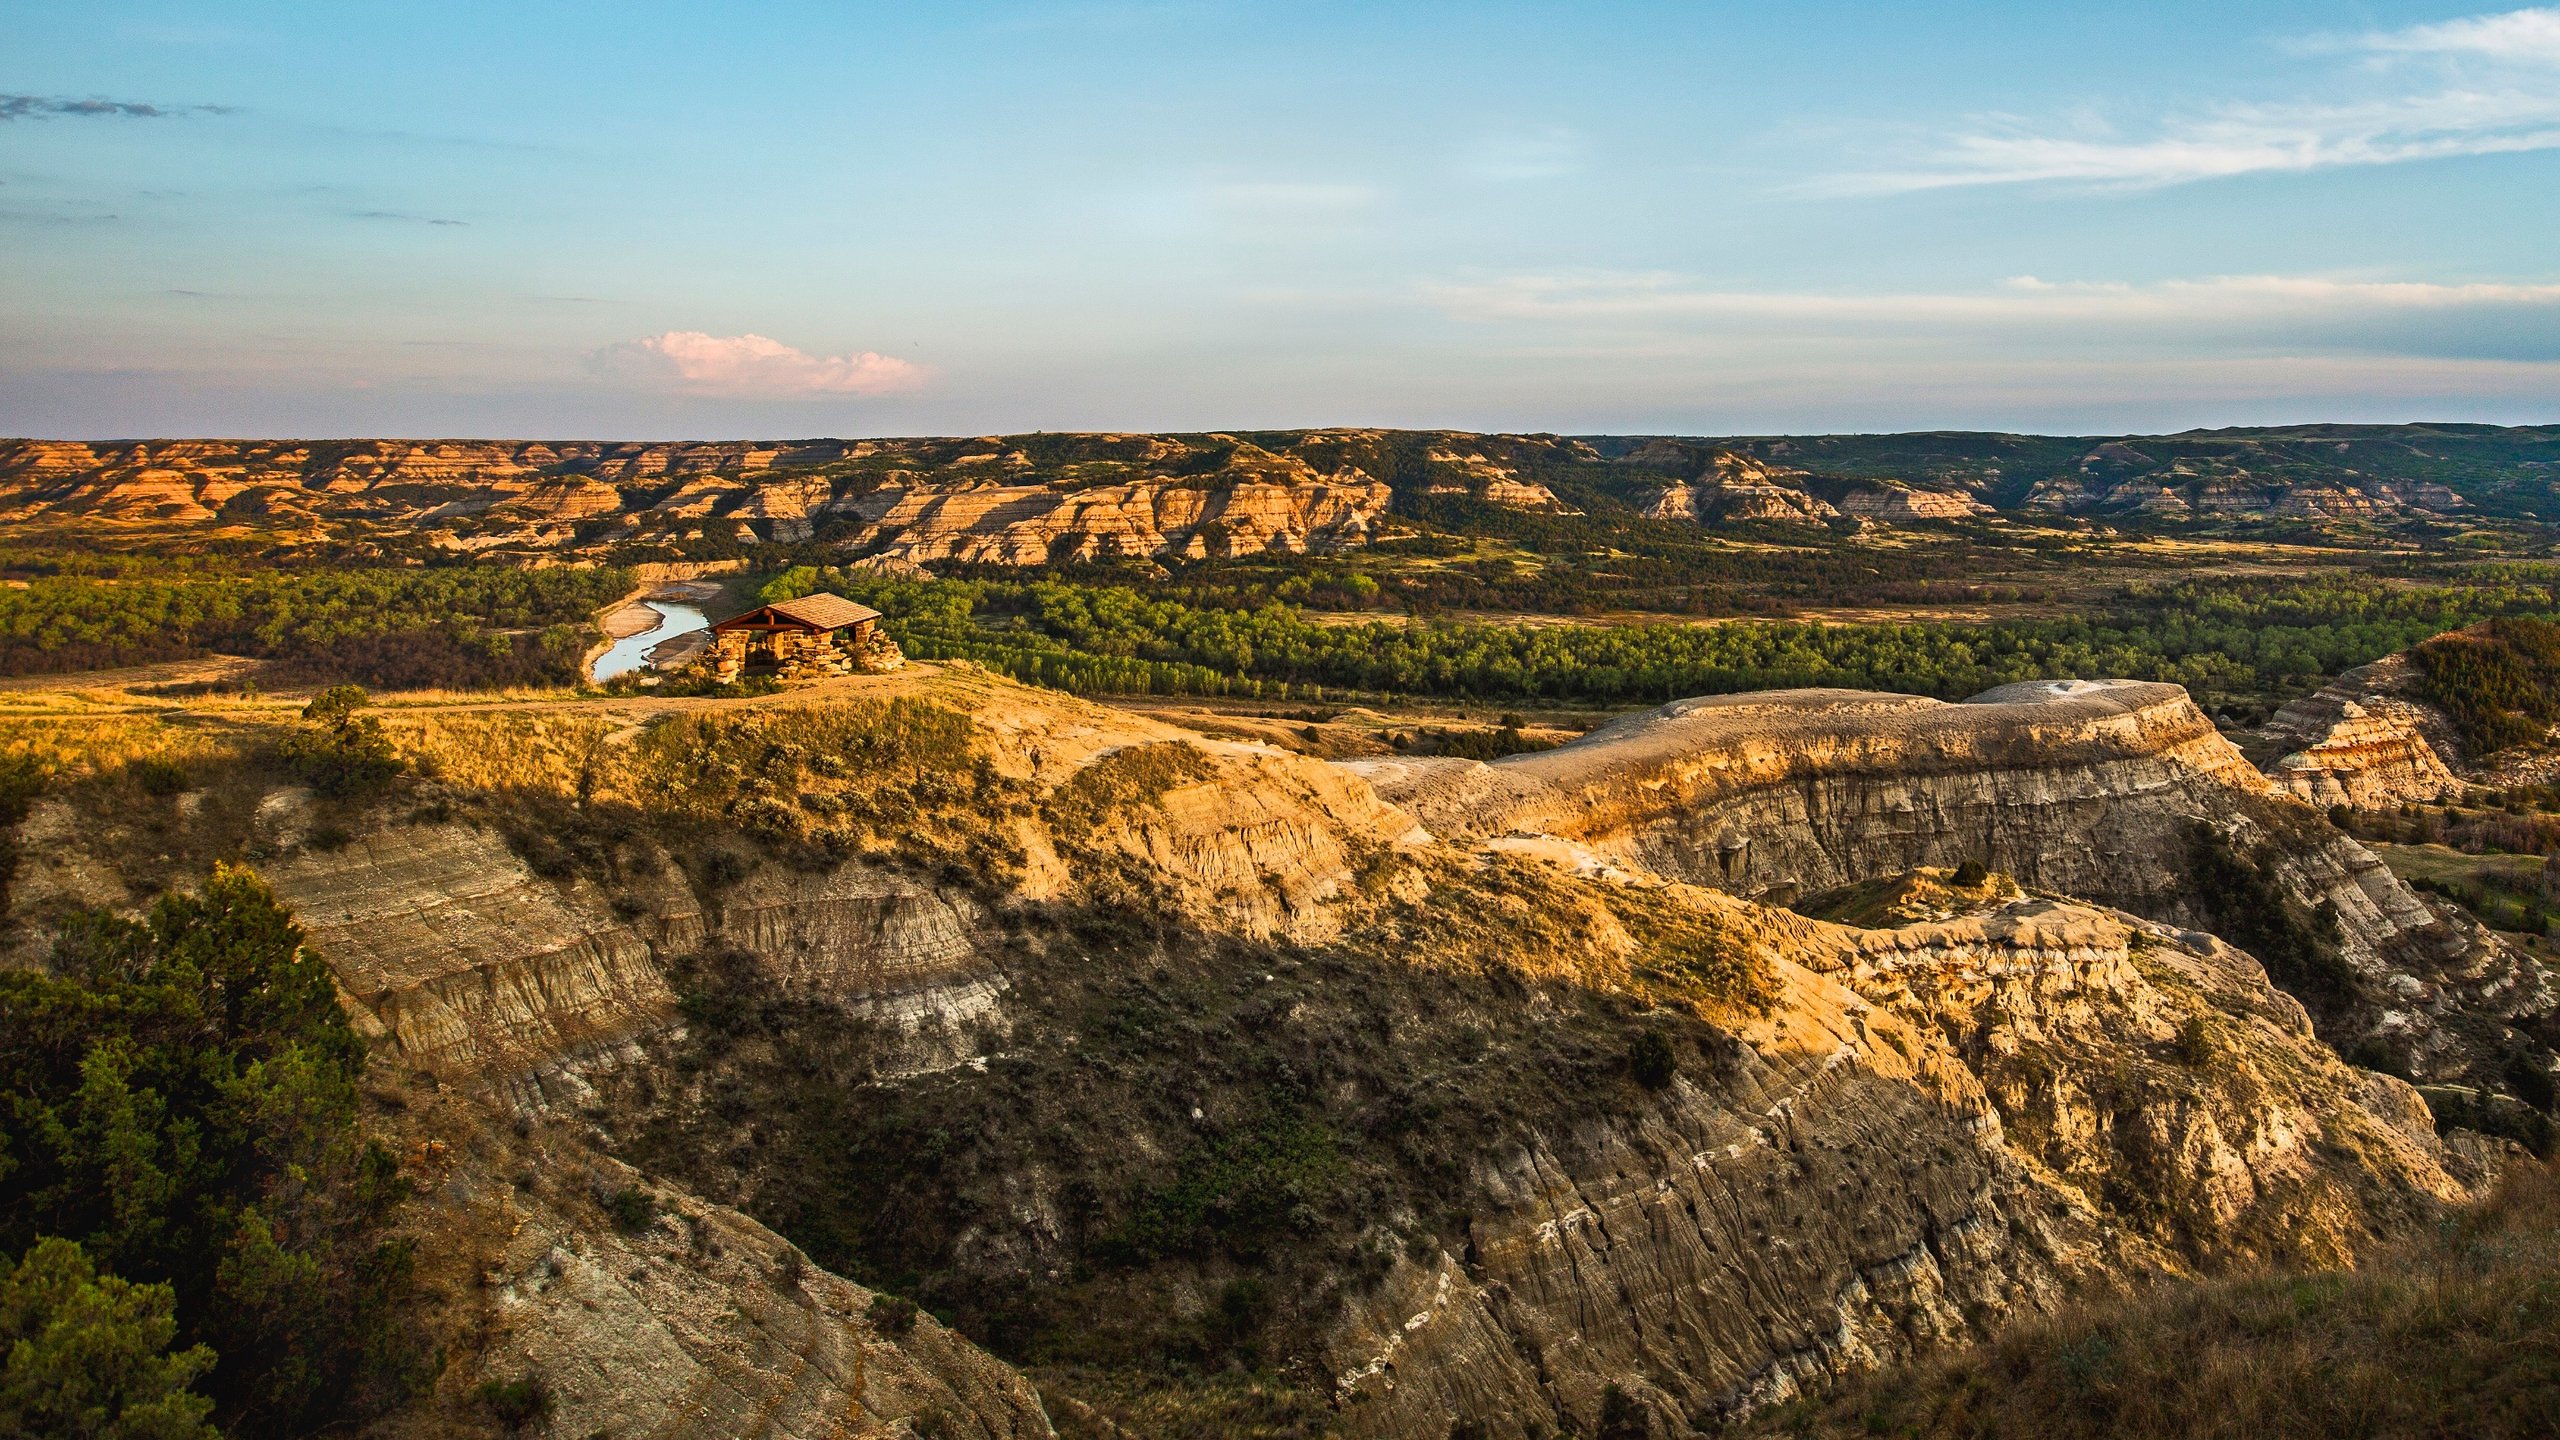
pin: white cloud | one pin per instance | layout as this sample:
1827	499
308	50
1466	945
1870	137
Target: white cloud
2529	37
1605	313
754	365
1618	296
2485	85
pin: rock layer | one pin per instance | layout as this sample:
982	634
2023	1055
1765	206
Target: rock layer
2087	788
2054	1123
2360	758
985	501
2369	737
1913	1135
1034	525
1726	486
698	1325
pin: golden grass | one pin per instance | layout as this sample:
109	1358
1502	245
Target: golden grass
1671	946
549	752
2454	1334
76	744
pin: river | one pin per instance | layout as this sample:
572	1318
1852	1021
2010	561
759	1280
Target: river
631	652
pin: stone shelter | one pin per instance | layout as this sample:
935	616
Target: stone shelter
805	639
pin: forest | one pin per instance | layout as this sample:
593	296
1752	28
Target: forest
2236	645
2500	685
409	628
194	1227
1323	629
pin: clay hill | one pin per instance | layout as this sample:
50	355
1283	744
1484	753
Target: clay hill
1194	1086
1032	499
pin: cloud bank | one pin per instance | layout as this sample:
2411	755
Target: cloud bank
753	365
2234	316
404	217
2025	299
46	107
2484	85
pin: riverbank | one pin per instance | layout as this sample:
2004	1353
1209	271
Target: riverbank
631	615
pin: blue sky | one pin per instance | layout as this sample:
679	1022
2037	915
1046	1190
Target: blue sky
657	220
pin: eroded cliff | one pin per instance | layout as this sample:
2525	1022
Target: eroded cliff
2115	791
1416	1097
2366	739
991	500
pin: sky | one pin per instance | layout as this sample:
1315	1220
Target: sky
801	218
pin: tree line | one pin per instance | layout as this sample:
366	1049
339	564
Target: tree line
2228	643
460	627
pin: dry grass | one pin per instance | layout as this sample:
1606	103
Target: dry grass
75	743
1661	946
544	751
2455	1334
903	780
1132	777
515	695
1914	897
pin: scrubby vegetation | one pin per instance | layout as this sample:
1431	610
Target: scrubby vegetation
2235	643
2502	864
903	778
2457	1334
2500	683
457	627
2242	901
184	1184
339	751
906	782
90	1354
1239	1135
1133	776
2514	893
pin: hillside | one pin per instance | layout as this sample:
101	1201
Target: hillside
1034	499
2451	1335
1220	1090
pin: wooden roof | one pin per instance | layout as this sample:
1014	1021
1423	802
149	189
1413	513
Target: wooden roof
818	612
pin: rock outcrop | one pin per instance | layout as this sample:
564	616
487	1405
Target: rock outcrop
467	966
1902	503
2354	755
2368	737
1467	470
987	501
1036	525
2092	789
2131	476
1725	486
695	1324
1736	1244
1221	1045
1019	499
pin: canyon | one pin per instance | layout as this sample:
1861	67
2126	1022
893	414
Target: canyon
1030	499
1111	1040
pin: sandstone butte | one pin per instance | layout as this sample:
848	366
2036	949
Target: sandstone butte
912	500
1918	1131
1018	500
2367	738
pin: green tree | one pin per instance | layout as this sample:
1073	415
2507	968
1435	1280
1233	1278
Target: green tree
338	751
87	1355
178	1097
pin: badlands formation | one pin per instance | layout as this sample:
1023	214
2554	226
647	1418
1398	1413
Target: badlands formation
986	500
1030	499
1112	1042
2368	739
2119	792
